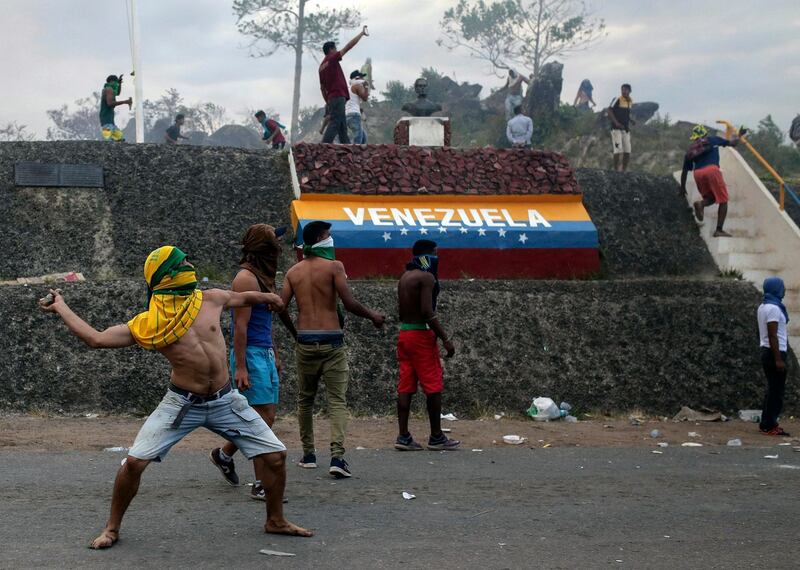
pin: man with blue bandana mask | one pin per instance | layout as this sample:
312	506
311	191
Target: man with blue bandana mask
417	348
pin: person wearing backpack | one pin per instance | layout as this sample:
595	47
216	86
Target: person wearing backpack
702	157
272	131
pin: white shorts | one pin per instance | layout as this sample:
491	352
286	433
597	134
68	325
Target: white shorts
621	141
229	416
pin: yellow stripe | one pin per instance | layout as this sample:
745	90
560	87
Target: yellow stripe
332	207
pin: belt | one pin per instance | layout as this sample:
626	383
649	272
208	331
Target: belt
334	340
195	400
414	327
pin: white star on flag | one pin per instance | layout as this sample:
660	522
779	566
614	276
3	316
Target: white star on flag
502	233
386	236
523	238
481	232
464	230
423	231
442	230
404	232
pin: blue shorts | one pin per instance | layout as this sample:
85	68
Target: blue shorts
263	374
229	416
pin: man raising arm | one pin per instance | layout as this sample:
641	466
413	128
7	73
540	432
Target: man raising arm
183	324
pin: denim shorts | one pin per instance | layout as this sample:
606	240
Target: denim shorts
264	381
230	417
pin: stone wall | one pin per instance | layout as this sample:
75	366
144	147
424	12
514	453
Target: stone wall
655	344
392	169
199	198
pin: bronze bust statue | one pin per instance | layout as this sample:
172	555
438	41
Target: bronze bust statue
422	107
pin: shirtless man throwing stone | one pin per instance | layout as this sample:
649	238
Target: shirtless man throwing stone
315	283
183	324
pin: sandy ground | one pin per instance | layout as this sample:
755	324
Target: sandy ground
31	433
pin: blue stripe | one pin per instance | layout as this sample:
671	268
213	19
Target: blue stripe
368	235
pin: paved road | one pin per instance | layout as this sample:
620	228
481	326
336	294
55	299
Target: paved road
501	508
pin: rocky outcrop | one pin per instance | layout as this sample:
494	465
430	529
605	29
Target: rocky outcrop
544	94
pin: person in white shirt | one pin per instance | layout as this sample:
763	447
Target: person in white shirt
772	320
352	108
519	129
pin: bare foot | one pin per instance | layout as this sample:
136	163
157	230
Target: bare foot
286	528
721	233
107	539
698	210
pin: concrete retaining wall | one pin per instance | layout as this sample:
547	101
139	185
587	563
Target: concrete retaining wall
655	344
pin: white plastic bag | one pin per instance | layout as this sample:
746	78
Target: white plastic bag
547	408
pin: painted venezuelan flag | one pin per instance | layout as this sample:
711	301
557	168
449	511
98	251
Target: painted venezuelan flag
481	236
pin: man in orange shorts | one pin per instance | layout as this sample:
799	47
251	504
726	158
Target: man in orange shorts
417	348
703	157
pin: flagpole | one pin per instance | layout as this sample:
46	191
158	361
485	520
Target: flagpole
137	78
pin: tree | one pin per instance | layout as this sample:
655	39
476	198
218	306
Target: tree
285	24
13	131
519	33
81	124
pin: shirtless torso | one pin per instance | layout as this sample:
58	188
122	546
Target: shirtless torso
315	283
198	359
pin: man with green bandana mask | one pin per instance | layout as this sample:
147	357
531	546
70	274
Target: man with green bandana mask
417	347
315	283
108	100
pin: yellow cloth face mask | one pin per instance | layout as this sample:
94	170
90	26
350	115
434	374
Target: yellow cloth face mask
174	301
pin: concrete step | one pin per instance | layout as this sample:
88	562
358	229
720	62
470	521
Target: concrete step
744	261
757	276
743	245
733	223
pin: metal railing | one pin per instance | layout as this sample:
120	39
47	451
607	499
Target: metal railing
730	132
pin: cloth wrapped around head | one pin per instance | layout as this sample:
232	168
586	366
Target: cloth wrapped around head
774	291
173	299
260	251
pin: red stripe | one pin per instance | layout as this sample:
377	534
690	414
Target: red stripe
481	263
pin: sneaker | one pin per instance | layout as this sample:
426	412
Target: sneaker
406	443
442	443
257	493
227	468
309	461
339	468
777	430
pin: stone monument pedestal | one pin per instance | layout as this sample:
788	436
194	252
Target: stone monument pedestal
422	131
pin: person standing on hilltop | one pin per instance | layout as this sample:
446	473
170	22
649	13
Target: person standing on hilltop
108	101
514	95
519	129
619	113
355	114
272	131
703	158
334	88
173	134
584	97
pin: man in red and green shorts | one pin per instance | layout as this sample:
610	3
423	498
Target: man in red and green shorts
417	347
703	157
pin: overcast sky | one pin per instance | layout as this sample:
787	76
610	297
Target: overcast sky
700	60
